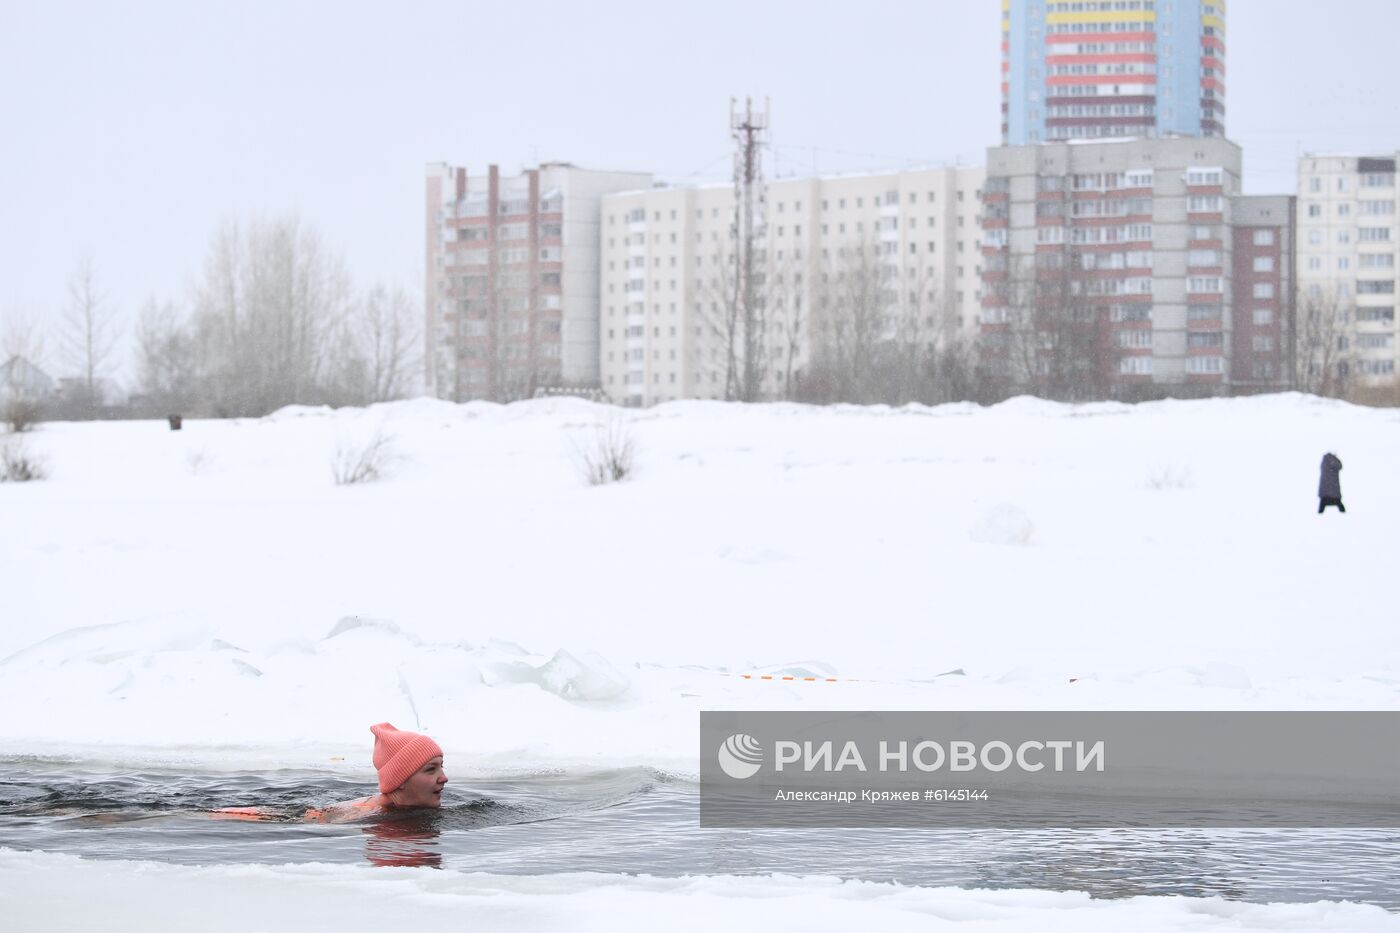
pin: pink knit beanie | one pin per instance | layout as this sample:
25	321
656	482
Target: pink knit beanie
397	754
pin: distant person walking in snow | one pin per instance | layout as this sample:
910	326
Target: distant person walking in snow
1329	487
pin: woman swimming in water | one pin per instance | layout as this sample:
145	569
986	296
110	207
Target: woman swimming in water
410	776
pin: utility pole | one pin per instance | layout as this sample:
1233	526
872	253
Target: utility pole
749	130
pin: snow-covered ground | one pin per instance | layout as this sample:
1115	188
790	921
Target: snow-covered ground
139	896
213	591
211	597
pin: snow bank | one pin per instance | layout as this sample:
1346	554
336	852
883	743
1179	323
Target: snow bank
151	898
211	595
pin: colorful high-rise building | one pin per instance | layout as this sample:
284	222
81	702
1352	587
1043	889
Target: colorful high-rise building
1091	69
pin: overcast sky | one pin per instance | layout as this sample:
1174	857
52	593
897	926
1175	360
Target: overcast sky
129	131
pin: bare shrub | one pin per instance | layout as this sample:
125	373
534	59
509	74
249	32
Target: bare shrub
197	461
19	465
21	414
608	456
364	462
1169	478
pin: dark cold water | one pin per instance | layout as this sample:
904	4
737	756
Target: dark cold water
644	822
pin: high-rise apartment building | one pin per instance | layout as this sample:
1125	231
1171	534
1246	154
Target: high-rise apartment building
1121	267
511	285
1348	251
854	258
1088	69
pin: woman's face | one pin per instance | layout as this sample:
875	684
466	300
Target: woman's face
424	788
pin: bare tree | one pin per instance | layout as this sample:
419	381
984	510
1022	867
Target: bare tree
267	310
377	356
22	335
788	330
849	322
89	334
1053	333
1324	361
168	360
734	307
917	326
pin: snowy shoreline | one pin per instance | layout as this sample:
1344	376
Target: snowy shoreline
125	895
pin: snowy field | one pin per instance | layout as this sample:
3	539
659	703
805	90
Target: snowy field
210	598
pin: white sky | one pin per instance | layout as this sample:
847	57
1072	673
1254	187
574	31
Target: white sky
130	131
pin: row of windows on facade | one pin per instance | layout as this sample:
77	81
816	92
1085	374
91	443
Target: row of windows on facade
1072	46
1097	6
472	234
1089	69
1363	235
1344	290
639	379
1059	111
1195	340
1110	207
1195	365
1368	180
1142	313
1369	208
636	281
474	206
1125	89
480	375
1195	176
1113	69
1061	29
889	198
512	256
1364	261
511	350
997	238
505	281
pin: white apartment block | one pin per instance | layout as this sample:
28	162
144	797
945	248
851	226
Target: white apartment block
666	273
511	284
1347	256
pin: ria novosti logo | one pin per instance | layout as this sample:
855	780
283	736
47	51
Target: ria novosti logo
740	756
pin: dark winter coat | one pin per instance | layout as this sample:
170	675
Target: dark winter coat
1330	485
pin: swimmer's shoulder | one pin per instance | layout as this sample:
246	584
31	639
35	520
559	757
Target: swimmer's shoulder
346	810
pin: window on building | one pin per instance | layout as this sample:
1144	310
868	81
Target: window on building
1263	264
1263	238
